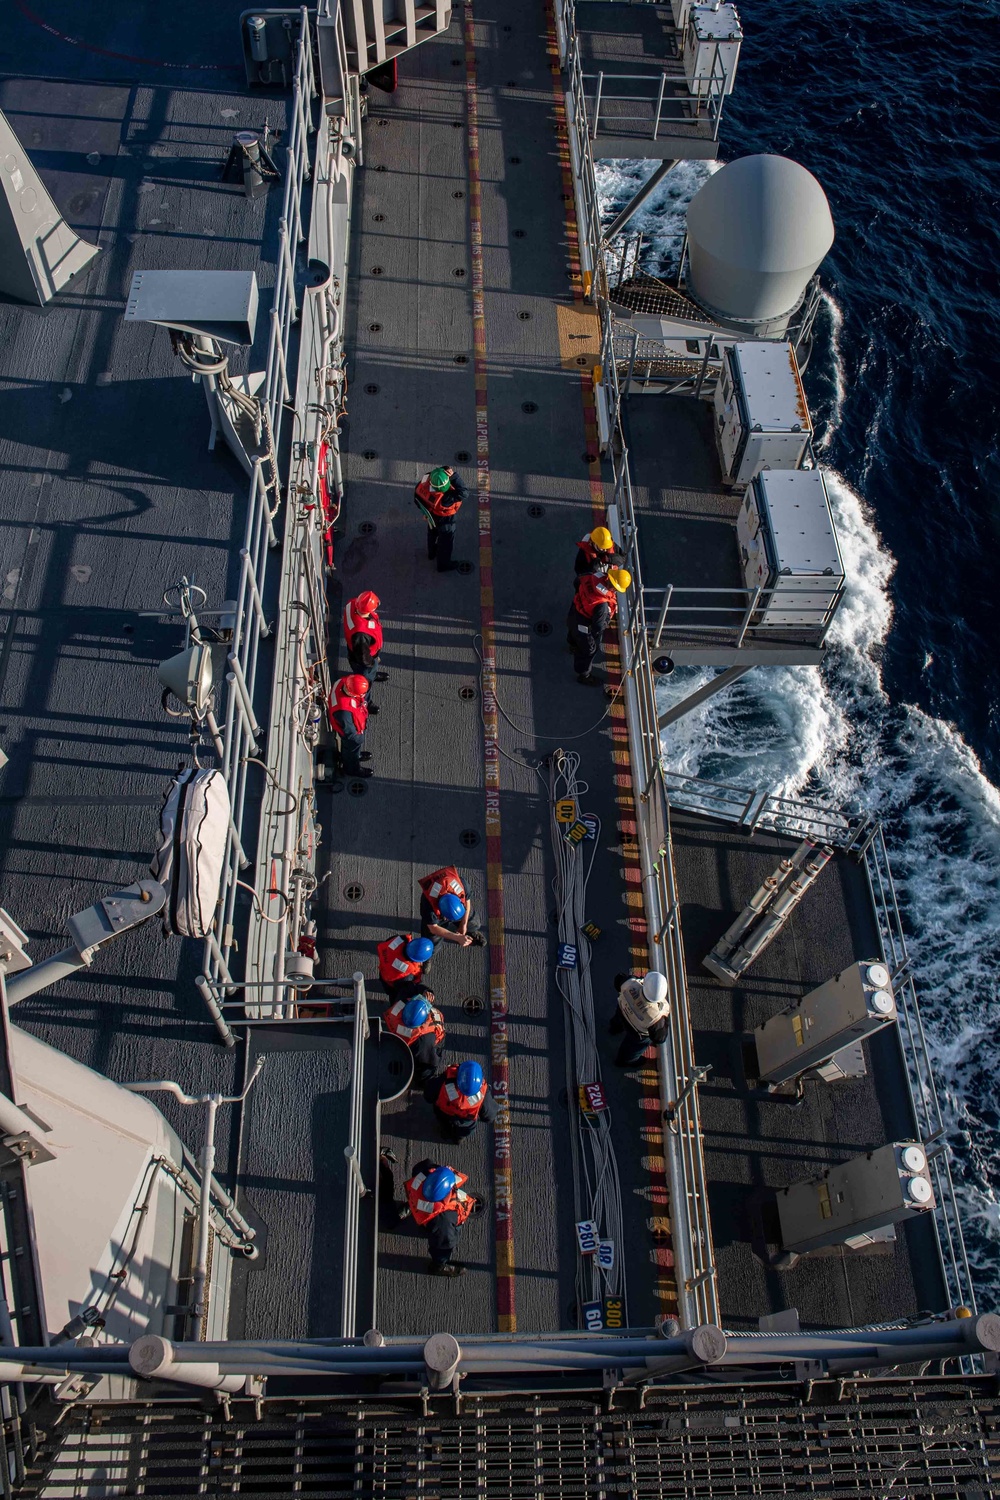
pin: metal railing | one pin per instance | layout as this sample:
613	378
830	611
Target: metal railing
927	1111
250	624
792	612
639	105
356	1187
752	809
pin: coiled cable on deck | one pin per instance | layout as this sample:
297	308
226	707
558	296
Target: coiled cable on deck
597	1189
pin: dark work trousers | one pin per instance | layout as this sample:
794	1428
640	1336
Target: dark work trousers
426	1059
441	540
351	743
584	637
364	662
633	1047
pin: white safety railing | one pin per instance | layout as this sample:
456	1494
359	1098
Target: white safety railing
250	624
792	612
356	1188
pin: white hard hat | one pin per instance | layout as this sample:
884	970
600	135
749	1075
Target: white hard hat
654	987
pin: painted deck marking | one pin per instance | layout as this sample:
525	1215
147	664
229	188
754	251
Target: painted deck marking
500	1068
649	1099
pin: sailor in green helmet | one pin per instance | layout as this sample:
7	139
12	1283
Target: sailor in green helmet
439	495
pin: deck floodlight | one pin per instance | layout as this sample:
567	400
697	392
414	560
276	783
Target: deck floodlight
190	676
663	665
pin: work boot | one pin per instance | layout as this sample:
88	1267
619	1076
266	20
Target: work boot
381	677
585	680
449	567
373	708
478	939
449	1268
365	755
364	772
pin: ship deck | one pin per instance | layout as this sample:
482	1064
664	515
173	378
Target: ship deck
108	495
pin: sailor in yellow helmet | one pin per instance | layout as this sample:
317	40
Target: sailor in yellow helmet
594	606
595	552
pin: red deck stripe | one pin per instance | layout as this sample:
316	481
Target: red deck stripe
649	1100
500	1077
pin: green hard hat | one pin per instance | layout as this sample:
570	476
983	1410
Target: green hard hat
440	479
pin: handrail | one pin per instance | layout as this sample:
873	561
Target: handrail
355	1188
249	625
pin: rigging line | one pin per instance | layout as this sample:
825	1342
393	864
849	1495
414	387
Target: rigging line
522	729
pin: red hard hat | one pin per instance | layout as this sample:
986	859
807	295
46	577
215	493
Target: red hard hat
355	685
366	602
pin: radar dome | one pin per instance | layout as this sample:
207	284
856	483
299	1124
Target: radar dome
757	230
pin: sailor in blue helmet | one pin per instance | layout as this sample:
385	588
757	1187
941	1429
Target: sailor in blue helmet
439	1203
461	1098
416	1020
446	912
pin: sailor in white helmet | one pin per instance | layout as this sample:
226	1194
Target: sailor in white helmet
643	1014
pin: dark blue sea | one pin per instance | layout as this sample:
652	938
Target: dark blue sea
893	108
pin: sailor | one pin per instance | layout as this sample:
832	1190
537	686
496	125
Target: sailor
446	913
402	957
594	606
595	552
363	635
461	1098
348	714
415	1018
439	1203
643	1013
439	496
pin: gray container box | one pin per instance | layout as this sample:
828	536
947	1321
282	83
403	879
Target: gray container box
788	548
854	1004
762	419
848	1202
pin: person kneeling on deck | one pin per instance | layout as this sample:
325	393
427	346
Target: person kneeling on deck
439	495
461	1098
348	714
415	1018
643	1014
446	913
402	958
595	552
439	1203
594	606
363	635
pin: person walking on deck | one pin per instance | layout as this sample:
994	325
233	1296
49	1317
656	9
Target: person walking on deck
439	496
461	1098
363	636
642	1013
348	712
446	913
415	1018
439	1203
402	958
595	552
594	606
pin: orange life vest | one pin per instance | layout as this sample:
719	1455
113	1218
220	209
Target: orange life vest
393	1020
393	964
593	591
341	701
355	623
434	500
462	1106
423	1209
445	882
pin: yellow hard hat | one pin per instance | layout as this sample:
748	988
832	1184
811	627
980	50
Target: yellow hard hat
602	539
619	578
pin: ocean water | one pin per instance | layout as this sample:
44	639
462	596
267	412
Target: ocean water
890	107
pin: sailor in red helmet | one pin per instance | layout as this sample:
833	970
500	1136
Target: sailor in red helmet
363	635
594	606
416	1020
446	913
461	1098
348	714
439	1203
403	957
439	497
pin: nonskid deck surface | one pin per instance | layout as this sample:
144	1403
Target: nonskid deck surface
107	496
411	336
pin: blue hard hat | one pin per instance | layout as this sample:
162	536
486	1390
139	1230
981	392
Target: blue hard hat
438	1184
451	908
419	950
469	1078
416	1011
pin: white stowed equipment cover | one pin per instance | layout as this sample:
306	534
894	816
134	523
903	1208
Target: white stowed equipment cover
39	253
194	836
87	1201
